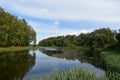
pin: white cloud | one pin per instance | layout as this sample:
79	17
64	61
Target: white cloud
44	10
93	10
55	24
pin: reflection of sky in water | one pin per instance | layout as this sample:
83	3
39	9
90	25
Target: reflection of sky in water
49	48
46	64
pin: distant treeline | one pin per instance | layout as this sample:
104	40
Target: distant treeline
100	38
14	31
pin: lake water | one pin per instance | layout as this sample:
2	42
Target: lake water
29	65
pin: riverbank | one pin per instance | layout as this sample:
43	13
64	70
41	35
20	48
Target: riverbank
16	48
109	58
111	61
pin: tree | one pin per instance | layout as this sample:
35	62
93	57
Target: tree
118	37
14	31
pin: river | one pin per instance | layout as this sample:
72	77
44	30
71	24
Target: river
33	65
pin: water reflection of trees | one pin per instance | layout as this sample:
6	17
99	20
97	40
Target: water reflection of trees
51	52
79	55
14	66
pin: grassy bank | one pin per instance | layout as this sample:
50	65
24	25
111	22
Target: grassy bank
111	61
18	48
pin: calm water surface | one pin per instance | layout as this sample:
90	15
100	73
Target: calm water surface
29	65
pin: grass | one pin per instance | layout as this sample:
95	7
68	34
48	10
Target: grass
18	48
112	76
111	61
82	74
74	74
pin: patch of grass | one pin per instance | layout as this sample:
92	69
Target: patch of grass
111	61
18	48
82	74
75	74
112	76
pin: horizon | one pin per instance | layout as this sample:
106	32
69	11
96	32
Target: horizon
56	18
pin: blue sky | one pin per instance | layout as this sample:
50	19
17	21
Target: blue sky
61	17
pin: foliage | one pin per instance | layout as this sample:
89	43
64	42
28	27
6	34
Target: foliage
96	41
14	31
54	41
98	38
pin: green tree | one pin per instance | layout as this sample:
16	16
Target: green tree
118	37
14	31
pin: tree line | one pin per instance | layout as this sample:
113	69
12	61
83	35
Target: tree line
14	31
98	39
60	41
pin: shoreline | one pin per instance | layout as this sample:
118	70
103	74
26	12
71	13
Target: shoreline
16	48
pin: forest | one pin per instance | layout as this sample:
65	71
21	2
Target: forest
98	39
15	31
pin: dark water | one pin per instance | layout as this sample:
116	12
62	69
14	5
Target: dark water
33	65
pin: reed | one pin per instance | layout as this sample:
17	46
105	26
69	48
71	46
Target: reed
111	61
75	74
82	74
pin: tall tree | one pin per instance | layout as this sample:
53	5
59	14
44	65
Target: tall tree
14	31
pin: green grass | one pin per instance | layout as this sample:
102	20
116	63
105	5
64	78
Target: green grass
111	61
112	76
18	48
74	74
82	74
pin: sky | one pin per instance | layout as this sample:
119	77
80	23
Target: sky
62	17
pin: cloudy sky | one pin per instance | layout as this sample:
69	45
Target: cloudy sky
61	17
